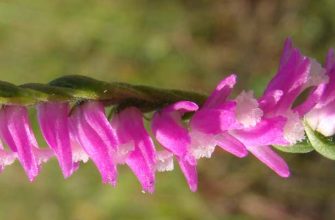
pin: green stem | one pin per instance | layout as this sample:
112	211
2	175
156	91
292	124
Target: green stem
75	88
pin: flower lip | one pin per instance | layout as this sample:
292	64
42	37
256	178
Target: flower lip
247	110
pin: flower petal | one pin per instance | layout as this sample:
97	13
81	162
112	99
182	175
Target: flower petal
230	144
322	119
248	112
328	93
190	173
270	131
269	100
215	121
221	92
271	159
164	161
144	173
6	158
291	78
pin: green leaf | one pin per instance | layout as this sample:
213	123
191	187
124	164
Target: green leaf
323	145
299	148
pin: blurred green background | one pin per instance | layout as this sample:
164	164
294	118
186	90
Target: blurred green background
183	44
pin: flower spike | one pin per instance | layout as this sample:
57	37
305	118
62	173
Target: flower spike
296	114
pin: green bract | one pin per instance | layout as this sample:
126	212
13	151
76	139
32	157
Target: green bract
301	147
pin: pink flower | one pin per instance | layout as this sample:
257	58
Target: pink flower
136	148
170	132
321	118
210	124
53	120
15	130
91	129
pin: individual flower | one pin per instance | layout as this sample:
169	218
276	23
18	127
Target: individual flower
53	121
170	132
321	118
136	147
209	125
296	73
91	129
16	132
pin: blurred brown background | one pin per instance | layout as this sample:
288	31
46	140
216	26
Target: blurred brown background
184	44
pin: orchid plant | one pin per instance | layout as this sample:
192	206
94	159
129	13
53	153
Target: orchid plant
185	126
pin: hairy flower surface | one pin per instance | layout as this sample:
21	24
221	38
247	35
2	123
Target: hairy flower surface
16	132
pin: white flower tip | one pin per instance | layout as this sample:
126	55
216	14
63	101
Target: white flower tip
123	152
202	145
320	122
294	129
248	112
79	155
164	161
203	151
312	118
326	129
7	158
317	74
43	155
